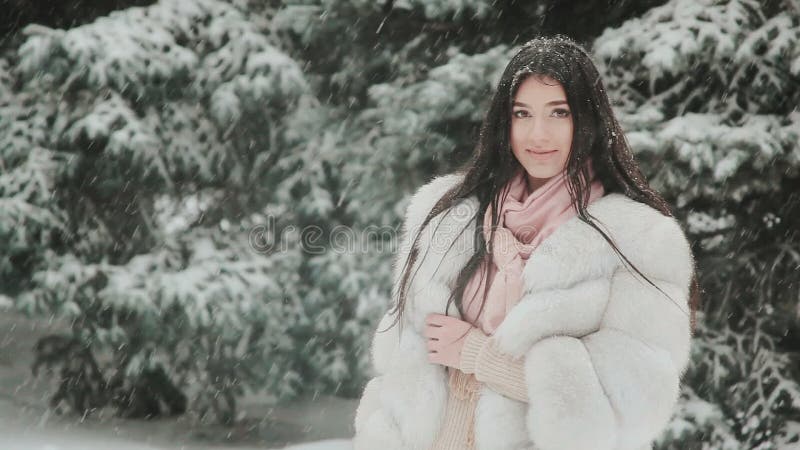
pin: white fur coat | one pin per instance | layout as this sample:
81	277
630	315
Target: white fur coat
604	350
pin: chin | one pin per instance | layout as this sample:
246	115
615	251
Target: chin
541	174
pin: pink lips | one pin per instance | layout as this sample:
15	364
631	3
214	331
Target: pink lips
542	154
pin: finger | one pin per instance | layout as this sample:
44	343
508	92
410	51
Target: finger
433	331
446	320
443	341
433	322
431	328
443	334
438	319
434	346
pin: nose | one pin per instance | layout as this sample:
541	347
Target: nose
537	133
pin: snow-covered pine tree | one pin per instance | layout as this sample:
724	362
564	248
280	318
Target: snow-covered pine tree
30	222
709	93
135	151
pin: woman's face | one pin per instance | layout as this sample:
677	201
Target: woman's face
541	128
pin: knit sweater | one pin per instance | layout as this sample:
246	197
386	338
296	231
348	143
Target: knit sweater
483	366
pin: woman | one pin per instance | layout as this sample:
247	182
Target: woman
544	294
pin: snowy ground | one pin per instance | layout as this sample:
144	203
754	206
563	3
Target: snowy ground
324	423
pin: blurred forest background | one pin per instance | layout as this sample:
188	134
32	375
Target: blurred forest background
153	153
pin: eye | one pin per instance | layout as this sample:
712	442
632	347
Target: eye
520	113
561	112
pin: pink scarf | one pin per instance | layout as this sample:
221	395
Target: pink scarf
526	219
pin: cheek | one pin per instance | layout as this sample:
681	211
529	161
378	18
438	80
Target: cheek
517	142
565	133
515	134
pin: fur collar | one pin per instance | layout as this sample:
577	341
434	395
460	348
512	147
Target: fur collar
573	253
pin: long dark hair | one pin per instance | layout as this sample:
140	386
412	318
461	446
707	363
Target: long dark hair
597	135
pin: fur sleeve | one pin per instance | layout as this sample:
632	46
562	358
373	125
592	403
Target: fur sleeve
374	425
615	388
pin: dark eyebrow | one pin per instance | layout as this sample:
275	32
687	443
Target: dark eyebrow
552	103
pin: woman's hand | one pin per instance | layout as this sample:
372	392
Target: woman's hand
445	339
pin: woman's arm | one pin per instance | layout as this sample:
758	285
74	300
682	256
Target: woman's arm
500	371
375	426
616	388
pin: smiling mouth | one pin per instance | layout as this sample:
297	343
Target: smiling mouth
542	155
541	152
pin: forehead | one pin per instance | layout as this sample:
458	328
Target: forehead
539	89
